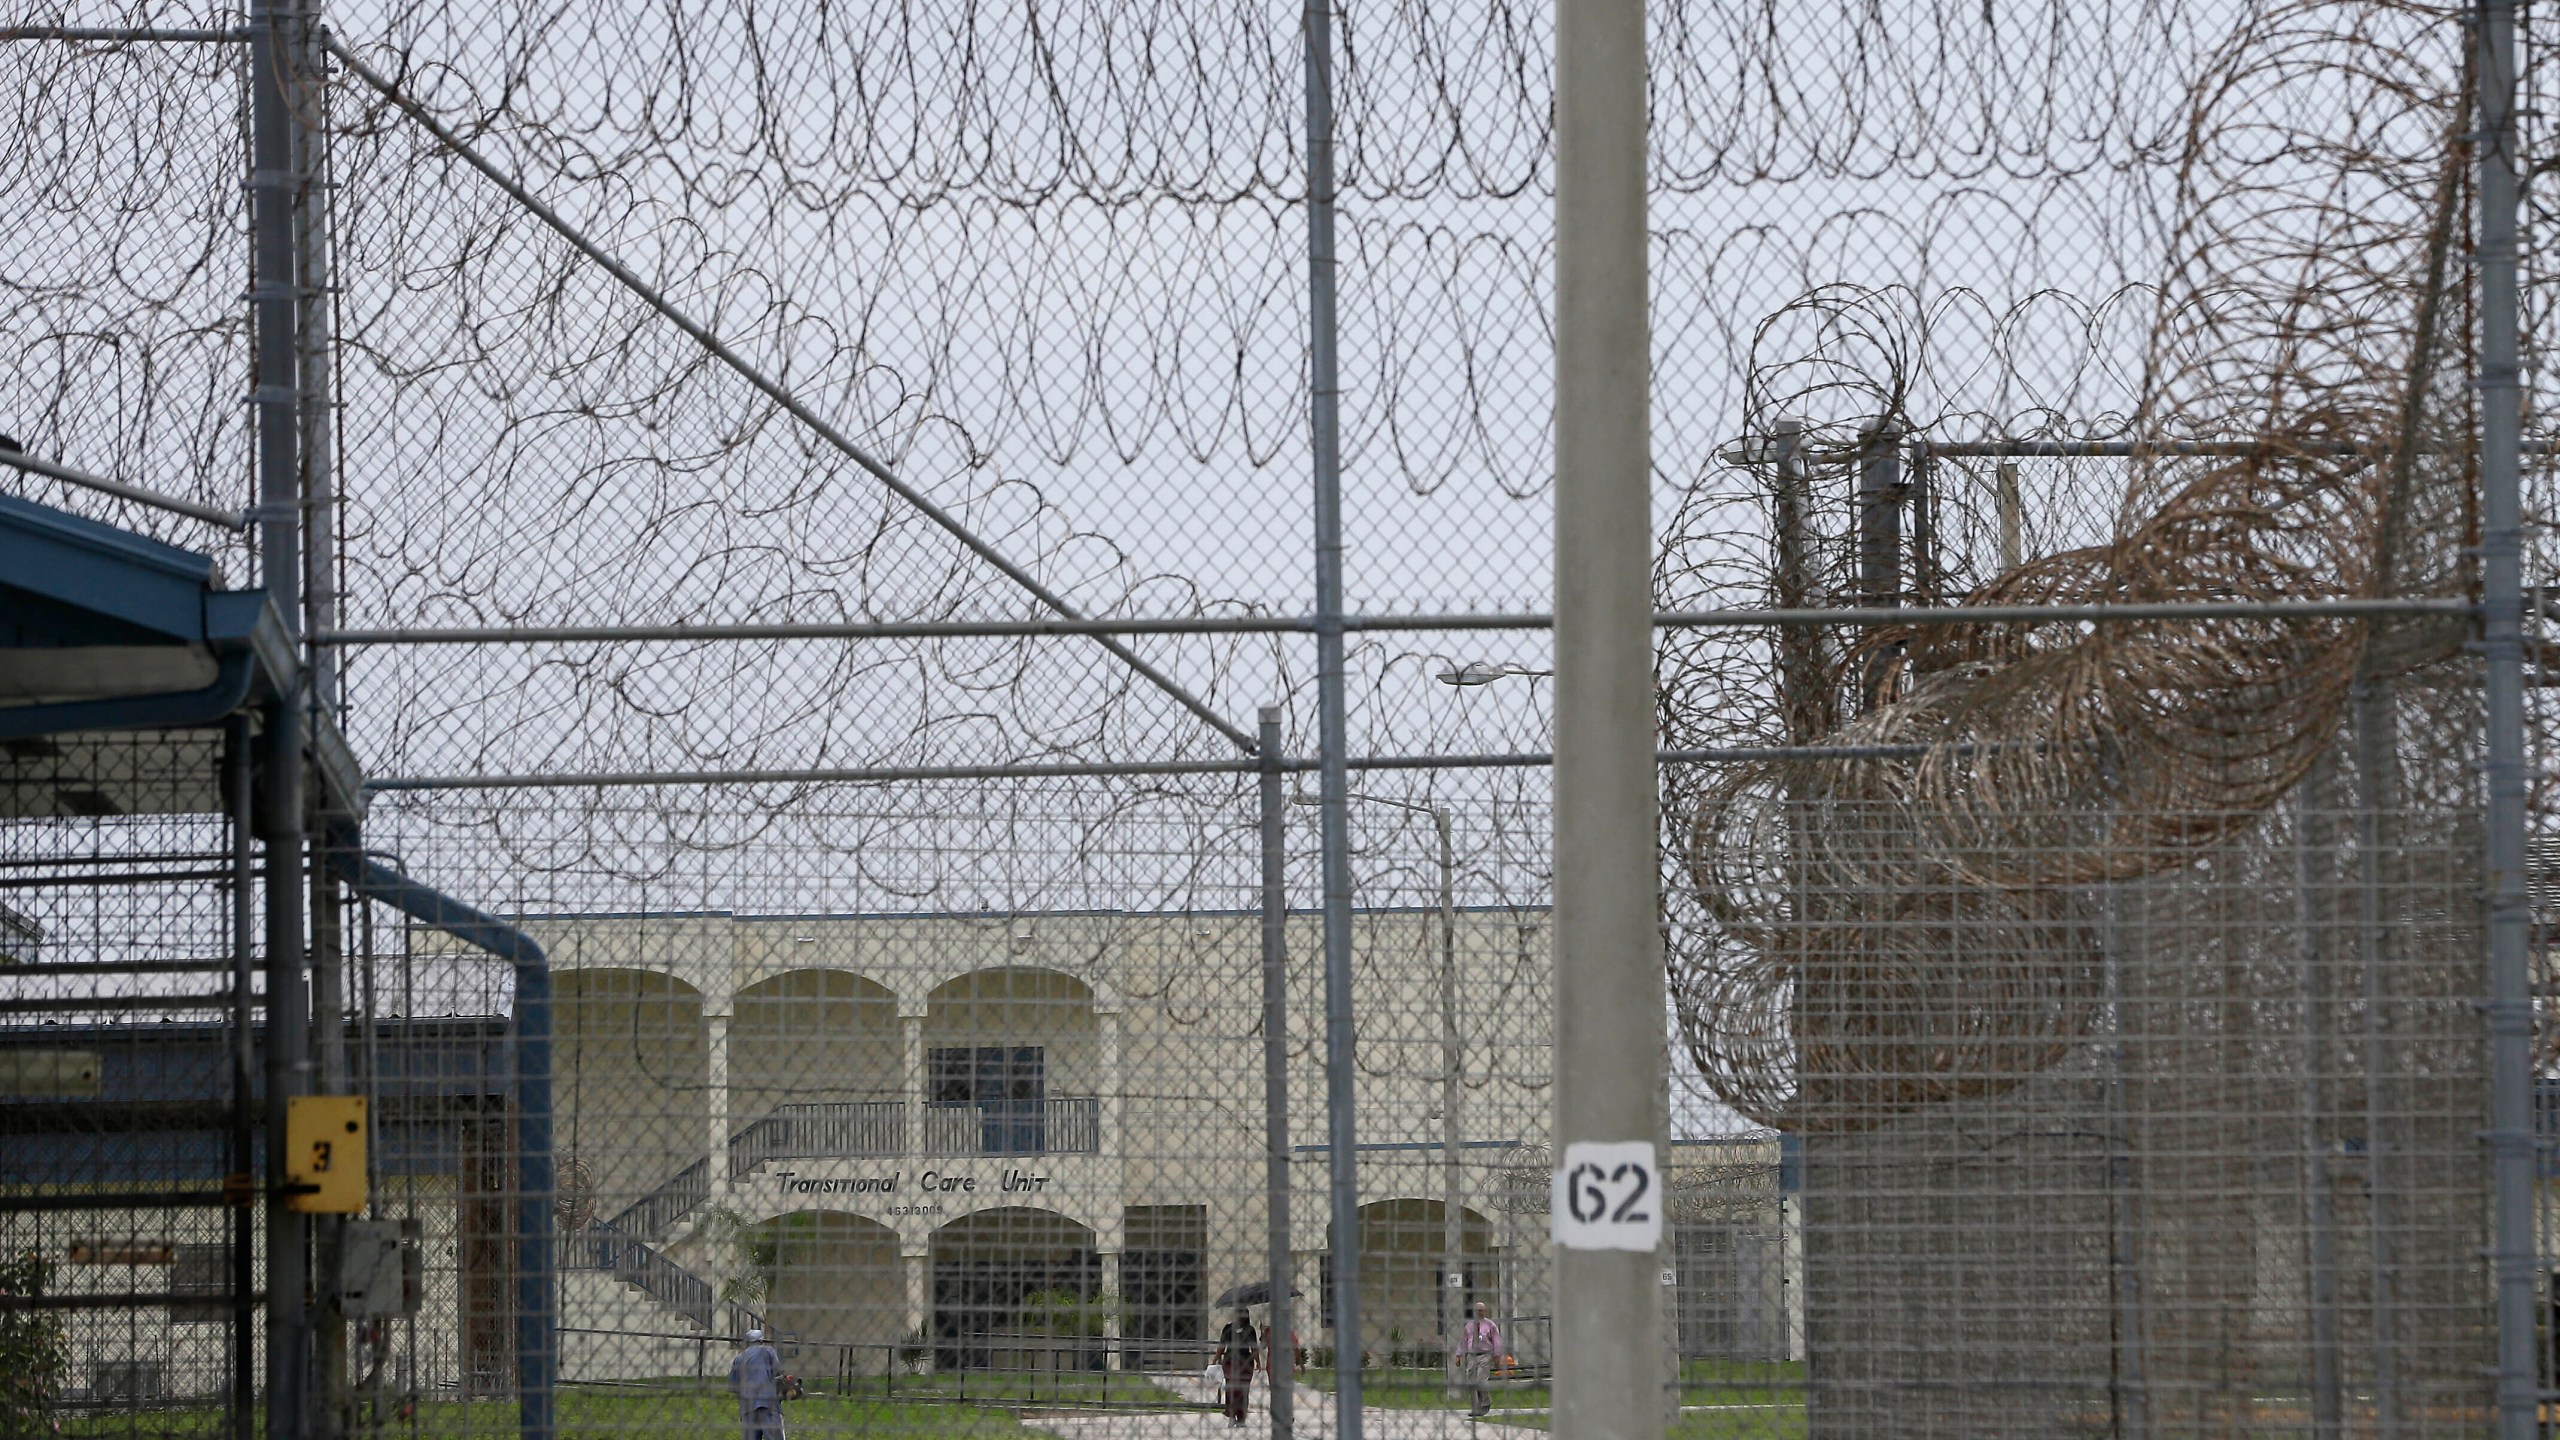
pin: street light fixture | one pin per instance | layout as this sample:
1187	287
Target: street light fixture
1483	672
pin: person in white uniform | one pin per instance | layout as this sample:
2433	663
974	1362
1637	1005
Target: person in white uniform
755	1377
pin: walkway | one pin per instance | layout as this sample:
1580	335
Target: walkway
1314	1420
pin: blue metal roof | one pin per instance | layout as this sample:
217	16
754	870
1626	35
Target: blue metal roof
67	580
127	604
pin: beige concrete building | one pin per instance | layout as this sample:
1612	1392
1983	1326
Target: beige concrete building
919	1137
912	1141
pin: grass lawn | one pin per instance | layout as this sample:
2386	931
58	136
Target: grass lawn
634	1413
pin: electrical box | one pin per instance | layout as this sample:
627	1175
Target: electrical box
374	1268
324	1154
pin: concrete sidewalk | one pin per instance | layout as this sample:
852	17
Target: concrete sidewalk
1314	1419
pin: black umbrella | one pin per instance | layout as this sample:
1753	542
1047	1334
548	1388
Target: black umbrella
1257	1292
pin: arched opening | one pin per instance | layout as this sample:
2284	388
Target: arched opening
1012	1065
1014	1289
629	1070
814	1061
832	1289
1406	1305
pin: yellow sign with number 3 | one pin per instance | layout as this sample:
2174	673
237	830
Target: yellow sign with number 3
324	1154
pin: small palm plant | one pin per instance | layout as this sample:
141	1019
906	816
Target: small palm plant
35	1350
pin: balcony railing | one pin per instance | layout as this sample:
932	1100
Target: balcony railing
1066	1126
820	1130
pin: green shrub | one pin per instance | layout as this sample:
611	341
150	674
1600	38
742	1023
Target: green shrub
35	1351
1068	1312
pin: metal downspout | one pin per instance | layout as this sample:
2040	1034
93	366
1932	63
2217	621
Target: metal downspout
537	1336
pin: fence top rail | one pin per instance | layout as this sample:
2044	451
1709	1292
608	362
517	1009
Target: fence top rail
1526	759
1862	616
124	34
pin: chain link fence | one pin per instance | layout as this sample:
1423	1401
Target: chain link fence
714	611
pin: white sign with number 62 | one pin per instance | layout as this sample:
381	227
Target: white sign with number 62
1608	1196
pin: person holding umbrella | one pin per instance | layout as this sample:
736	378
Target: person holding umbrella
1242	1300
1237	1344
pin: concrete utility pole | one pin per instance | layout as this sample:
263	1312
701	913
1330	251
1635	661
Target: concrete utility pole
1609	1032
2510	1008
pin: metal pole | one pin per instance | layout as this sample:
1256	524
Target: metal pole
2510	999
277	33
1880	492
1881	489
329	1051
1609	1030
1803	693
2013	516
236	797
275	183
537	1287
2377	833
288	1034
2128	1369
1453	1229
315	373
1808	704
1275	1075
1333	783
70	475
2314	836
315	331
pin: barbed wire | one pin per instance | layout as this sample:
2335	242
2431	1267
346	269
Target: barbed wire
1887	934
1047	263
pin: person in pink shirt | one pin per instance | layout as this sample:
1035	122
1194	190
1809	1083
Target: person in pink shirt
1478	1344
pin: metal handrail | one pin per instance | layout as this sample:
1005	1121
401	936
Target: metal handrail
820	1129
655	1215
1061	1125
604	1246
1064	1125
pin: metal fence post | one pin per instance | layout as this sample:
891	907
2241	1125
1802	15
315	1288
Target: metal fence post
288	1071
1610	1008
1882	488
1454	1315
238	773
2377	834
277	33
2510	1001
2314	844
1275	1073
1333	789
